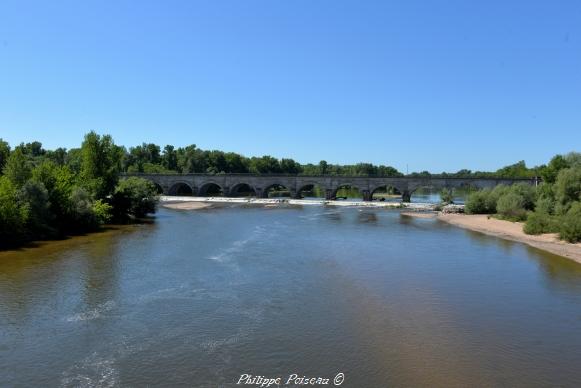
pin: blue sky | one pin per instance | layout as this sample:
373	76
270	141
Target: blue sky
436	85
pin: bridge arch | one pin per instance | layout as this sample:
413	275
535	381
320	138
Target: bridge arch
312	189
278	189
389	191
242	190
347	190
181	188
210	189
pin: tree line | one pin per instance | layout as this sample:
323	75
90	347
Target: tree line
51	193
552	207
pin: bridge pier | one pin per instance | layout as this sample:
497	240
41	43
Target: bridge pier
367	196
329	194
406	196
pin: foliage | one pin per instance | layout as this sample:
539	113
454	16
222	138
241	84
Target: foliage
13	215
35	195
4	153
550	172
447	196
17	168
571	224
134	196
511	206
100	164
103	212
477	203
540	222
568	187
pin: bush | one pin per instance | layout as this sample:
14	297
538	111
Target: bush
511	206
80	211
477	202
528	194
541	222
103	211
13	215
447	196
134	197
568	187
571	224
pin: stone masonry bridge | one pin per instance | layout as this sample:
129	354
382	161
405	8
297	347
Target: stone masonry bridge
234	184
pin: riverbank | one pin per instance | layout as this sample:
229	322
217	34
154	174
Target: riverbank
513	231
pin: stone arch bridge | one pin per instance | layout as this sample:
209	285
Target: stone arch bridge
230	184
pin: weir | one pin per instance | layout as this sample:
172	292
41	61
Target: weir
228	184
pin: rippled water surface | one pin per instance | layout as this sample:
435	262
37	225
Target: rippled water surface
199	298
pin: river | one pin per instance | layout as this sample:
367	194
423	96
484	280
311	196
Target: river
200	298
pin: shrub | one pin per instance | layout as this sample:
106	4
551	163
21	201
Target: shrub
528	194
477	202
511	206
103	211
134	197
545	205
80	211
568	187
447	196
571	224
541	222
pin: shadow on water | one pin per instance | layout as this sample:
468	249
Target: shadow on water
559	272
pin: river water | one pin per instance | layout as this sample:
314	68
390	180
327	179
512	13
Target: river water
199	298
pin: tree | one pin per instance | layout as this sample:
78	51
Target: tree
4	153
550	172
17	168
323	166
170	158
568	187
100	164
35	195
134	197
13	215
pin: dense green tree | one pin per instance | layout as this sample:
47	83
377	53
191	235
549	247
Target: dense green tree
170	158
13	215
100	164
4	154
568	187
573	159
134	196
17	168
35	195
550	172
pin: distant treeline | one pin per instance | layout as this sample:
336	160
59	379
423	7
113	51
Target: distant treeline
151	158
51	193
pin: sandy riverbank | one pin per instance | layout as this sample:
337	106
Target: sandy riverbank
513	231
186	205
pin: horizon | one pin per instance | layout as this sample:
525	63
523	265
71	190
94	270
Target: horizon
435	87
